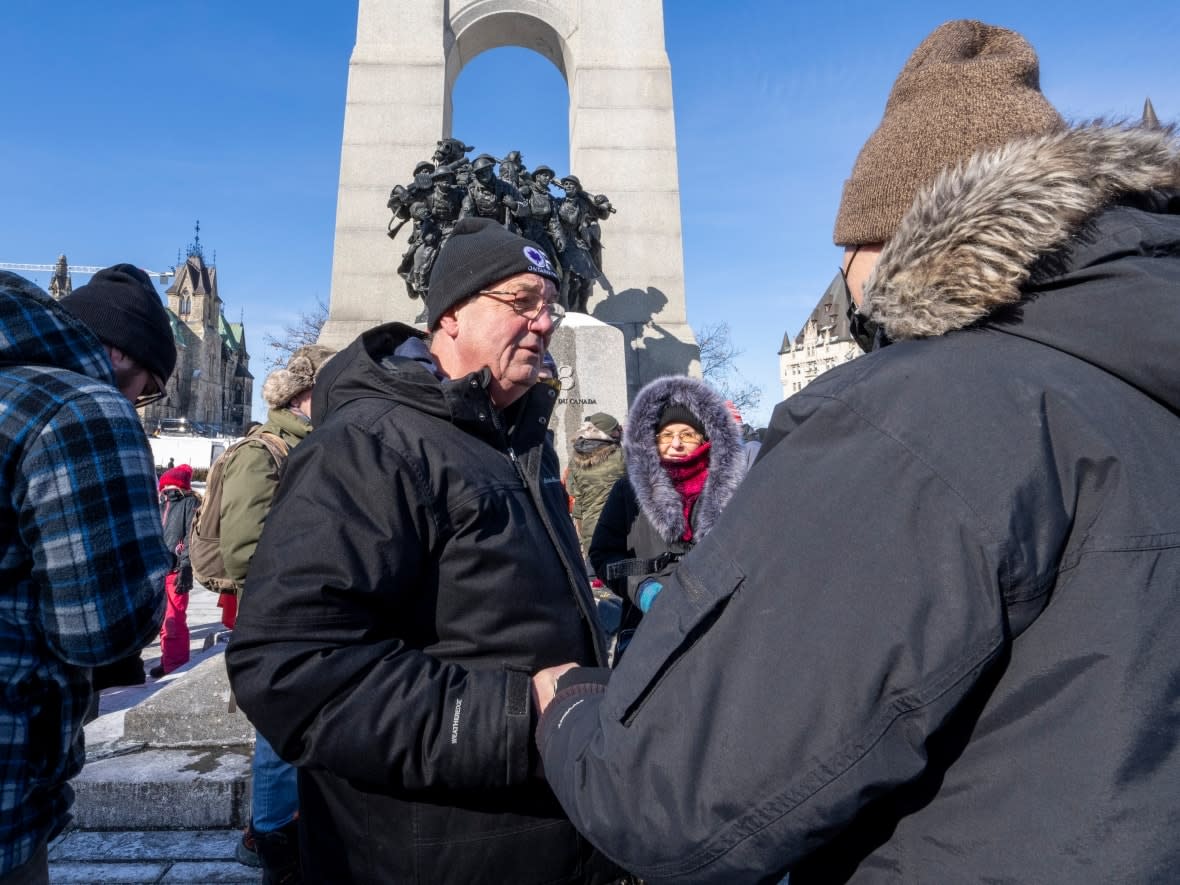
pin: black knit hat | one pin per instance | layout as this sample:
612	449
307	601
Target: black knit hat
678	413
480	252
121	307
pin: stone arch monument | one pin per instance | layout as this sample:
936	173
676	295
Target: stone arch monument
622	139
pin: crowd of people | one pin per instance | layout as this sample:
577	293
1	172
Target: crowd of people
922	633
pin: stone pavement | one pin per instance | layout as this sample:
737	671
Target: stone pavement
192	857
157	802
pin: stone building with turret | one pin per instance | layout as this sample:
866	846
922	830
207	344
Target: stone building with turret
823	343
60	284
211	390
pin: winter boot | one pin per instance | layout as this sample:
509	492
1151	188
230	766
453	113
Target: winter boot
246	850
279	852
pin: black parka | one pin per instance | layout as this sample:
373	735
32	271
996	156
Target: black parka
949	654
177	509
417	566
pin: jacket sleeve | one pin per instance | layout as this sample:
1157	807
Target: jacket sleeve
319	660
794	669
609	543
248	489
86	494
575	491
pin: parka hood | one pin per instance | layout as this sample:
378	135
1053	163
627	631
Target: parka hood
989	238
368	366
37	331
656	494
392	362
600	452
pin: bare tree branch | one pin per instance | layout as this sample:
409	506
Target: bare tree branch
304	330
718	367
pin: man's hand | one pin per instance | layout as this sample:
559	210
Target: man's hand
545	684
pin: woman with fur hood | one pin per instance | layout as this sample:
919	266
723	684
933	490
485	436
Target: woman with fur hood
684	459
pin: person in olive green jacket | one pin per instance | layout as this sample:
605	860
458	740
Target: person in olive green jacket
596	463
250	481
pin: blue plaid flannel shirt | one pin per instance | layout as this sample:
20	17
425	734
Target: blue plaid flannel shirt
82	560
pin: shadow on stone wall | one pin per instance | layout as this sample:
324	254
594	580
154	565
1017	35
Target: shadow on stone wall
652	349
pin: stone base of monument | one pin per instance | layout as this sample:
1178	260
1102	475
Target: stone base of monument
591	359
183	760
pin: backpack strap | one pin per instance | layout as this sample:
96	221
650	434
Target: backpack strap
277	446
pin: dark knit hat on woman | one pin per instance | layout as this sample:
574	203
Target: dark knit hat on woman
676	413
121	307
967	87
480	252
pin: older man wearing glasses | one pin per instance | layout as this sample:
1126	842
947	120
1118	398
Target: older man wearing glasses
83	565
418	566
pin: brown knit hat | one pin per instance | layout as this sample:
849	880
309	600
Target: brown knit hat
968	86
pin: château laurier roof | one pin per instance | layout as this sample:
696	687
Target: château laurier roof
830	314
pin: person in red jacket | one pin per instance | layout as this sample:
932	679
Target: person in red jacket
178	506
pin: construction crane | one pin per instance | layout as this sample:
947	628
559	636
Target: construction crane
87	269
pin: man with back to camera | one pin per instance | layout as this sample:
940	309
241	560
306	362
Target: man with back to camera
957	663
418	565
84	558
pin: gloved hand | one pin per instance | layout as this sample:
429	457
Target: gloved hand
646	593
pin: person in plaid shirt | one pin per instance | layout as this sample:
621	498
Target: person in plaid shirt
83	560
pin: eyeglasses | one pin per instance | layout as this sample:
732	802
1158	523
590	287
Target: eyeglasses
686	437
154	392
529	307
868	334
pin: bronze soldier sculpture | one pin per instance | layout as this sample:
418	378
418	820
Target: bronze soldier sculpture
490	197
434	217
454	186
538	218
579	213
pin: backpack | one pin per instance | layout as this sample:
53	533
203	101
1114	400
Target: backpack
205	539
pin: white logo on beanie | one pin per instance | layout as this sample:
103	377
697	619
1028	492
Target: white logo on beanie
539	260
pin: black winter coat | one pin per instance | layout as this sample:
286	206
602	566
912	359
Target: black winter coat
417	566
177	509
949	655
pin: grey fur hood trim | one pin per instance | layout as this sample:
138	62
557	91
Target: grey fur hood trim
970	241
656	494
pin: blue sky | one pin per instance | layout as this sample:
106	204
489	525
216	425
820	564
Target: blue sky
127	121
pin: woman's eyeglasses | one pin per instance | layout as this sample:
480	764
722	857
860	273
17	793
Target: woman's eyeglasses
687	437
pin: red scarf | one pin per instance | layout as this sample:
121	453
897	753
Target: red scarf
688	477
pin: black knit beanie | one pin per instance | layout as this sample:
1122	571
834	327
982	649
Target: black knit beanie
121	307
480	252
678	413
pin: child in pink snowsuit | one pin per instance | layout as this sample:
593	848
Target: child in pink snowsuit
178	506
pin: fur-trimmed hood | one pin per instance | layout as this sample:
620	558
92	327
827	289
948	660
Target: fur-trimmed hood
975	237
593	456
656	494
